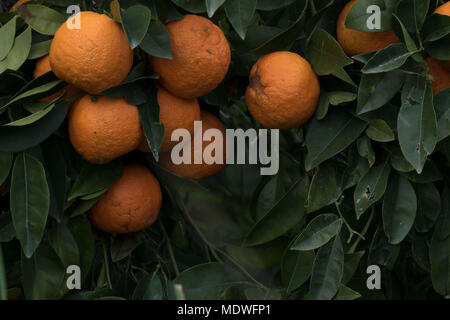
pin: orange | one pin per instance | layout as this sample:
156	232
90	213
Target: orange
201	57
441	77
17	4
43	66
95	56
174	113
131	204
102	129
356	42
197	171
444	10
283	92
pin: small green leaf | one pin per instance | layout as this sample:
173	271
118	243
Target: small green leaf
157	41
296	268
194	6
212	6
380	131
388	59
324	189
371	187
135	22
318	232
240	14
345	293
18	53
31	118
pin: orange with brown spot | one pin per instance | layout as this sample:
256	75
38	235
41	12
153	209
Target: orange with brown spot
283	91
131	204
201	57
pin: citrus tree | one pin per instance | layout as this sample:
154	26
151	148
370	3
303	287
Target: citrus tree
355	94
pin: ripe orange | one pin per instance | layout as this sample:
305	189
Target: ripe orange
201	57
43	66
174	113
131	204
102	129
356	42
444	10
283	91
441	77
94	57
197	171
17	4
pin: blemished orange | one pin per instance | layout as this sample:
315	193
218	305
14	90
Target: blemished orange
102	129
17	4
131	204
441	77
444	10
283	92
43	66
356	42
197	171
201	57
174	113
94	57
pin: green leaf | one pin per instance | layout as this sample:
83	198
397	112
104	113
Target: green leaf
352	261
365	150
240	14
123	246
149	288
43	19
270	5
42	275
413	13
94	178
323	190
39	49
325	62
399	209
345	293
441	102
380	131
207	281
64	245
296	268
328	137
440	264
135	22
436	27
388	59
417	125
157	41
318	232
327	271
18	53
6	161
339	97
84	237
194	6
282	217
212	6
428	206
371	187
376	90
31	118
14	139
7	232
284	40
153	129
30	201
7	33
381	252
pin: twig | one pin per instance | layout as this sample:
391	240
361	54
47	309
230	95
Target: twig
169	247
